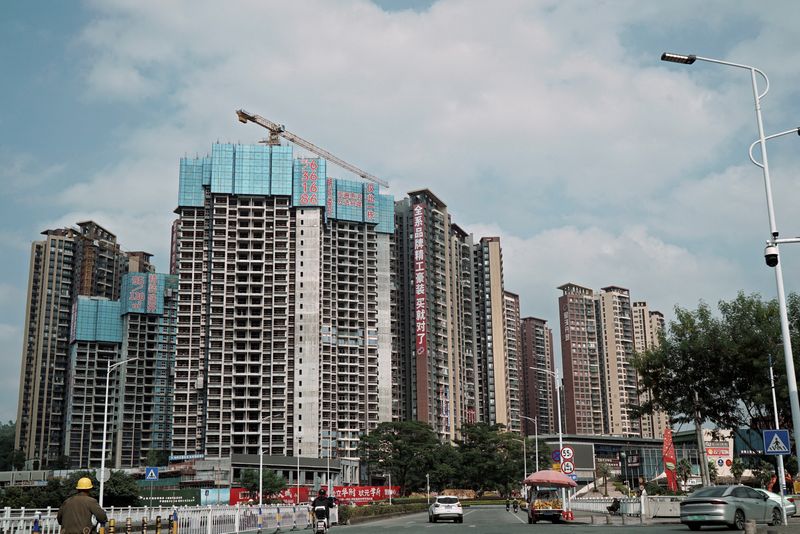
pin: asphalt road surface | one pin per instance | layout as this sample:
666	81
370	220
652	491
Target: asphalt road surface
495	520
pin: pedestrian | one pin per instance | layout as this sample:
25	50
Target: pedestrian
75	514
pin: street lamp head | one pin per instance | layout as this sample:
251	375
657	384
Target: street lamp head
678	58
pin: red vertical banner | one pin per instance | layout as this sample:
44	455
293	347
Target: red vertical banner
670	461
420	313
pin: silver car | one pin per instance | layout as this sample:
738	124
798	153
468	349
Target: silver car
788	502
728	505
446	507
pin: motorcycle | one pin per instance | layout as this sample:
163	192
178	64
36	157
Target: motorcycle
321	520
516	507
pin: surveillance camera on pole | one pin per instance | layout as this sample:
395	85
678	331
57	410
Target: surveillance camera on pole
771	255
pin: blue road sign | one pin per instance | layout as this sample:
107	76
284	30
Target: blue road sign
573	476
776	442
151	473
556	456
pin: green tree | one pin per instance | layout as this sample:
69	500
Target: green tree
721	356
491	458
248	478
272	484
684	470
712	471
763	473
8	456
403	448
603	471
157	457
737	470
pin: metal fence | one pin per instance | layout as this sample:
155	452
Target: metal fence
188	520
628	506
646	506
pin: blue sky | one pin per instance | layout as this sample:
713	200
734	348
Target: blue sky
551	124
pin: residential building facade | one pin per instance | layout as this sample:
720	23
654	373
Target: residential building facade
285	334
538	365
67	263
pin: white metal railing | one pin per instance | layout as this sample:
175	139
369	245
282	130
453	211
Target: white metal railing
628	506
190	520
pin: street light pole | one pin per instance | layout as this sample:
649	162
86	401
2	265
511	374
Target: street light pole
558	413
105	425
536	441
781	475
784	319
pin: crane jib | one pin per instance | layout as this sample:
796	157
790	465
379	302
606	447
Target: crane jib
278	129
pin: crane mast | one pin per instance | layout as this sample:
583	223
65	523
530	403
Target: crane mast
276	131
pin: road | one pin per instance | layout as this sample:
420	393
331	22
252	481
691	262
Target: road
495	520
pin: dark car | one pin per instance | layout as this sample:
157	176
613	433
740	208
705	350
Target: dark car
728	505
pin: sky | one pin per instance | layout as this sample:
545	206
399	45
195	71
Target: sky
551	124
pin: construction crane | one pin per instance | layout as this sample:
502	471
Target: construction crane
276	131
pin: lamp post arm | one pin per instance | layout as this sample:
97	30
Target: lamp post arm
767	138
740	66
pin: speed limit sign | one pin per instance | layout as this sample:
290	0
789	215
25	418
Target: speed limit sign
567	467
567	453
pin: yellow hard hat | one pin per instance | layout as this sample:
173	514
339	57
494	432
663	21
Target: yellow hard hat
84	483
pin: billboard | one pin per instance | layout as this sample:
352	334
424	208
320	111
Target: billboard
143	293
169	498
420	311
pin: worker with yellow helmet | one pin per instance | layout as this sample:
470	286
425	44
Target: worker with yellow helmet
75	514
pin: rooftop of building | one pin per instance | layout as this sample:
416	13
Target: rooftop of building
429	194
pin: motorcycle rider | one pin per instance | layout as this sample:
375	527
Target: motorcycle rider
516	506
508	504
322	499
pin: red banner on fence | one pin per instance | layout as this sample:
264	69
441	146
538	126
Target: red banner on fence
357	495
364	494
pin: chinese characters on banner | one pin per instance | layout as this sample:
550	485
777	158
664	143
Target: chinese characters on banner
668	455
136	295
364	494
310	178
419	282
345	494
152	293
329	198
369	205
346	198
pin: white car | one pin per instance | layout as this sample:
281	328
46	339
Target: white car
791	509
446	507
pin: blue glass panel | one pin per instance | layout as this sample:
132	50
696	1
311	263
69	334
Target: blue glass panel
281	167
251	170
222	168
349	200
385	214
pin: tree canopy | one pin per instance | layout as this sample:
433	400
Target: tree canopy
486	458
724	357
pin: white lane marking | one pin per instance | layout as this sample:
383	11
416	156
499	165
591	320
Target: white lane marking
518	518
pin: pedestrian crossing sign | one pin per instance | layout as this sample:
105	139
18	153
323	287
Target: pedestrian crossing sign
776	442
151	473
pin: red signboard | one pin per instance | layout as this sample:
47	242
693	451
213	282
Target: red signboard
419	281
668	455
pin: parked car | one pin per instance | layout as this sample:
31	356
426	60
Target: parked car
728	505
788	501
446	507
